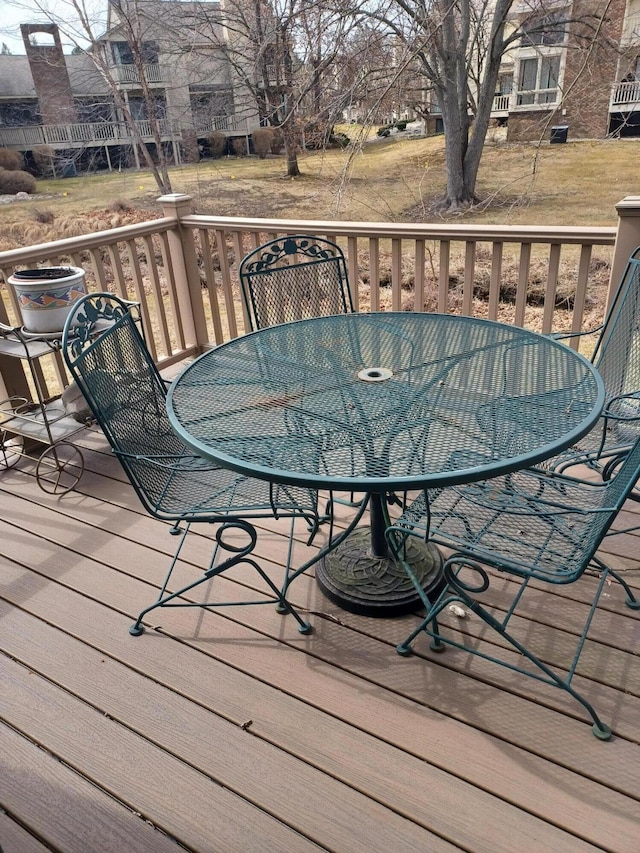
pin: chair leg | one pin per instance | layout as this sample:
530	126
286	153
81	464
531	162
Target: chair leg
239	555
457	591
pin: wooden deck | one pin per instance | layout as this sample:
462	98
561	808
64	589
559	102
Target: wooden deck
229	731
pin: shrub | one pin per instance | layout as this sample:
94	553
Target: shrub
278	141
239	146
401	125
16	182
44	217
218	143
385	130
339	140
10	160
262	141
44	156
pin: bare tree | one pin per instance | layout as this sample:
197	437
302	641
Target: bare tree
283	53
457	48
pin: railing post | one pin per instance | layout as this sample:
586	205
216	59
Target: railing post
627	239
185	269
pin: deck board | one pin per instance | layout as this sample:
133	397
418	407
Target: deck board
229	730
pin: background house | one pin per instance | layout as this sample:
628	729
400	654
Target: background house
172	62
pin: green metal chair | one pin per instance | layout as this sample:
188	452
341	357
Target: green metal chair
527	525
294	278
617	357
107	356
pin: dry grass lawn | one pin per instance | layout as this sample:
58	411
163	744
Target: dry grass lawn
576	183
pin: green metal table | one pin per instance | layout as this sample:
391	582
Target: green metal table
380	404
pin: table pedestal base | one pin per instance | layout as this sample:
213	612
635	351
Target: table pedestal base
355	579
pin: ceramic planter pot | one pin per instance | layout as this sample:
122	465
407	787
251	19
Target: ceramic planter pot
46	296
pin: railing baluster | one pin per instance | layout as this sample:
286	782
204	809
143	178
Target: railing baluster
581	291
396	274
419	260
353	269
161	314
443	277
469	278
523	283
212	287
494	280
551	288
227	286
374	273
170	281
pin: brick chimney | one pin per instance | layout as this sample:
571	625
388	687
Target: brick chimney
50	75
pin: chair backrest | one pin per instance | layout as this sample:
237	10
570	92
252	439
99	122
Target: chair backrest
617	351
108	358
617	357
294	278
612	496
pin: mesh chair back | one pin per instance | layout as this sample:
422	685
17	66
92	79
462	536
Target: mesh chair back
617	353
115	372
294	278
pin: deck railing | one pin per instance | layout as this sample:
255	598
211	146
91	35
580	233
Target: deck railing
626	95
183	269
111	132
81	134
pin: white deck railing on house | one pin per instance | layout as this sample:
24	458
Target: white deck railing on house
626	95
183	267
130	74
79	135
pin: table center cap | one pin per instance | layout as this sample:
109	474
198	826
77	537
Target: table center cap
375	374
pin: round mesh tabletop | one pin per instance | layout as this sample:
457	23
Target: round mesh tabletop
388	401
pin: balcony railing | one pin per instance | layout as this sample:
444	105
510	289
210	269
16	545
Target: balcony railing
108	133
224	124
626	96
126	74
183	269
500	104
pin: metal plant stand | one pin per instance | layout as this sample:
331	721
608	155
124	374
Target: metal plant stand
28	423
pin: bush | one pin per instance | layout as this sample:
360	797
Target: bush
278	141
44	217
218	143
44	156
339	140
401	125
239	146
385	130
10	160
262	141
16	182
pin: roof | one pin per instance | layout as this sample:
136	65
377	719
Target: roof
16	80
15	77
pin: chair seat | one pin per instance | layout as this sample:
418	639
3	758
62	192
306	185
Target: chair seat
526	522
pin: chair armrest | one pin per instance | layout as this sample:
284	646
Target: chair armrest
168	462
561	336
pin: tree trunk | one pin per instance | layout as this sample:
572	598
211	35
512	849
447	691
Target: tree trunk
291	148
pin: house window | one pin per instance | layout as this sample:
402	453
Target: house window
547	30
138	108
123	54
538	81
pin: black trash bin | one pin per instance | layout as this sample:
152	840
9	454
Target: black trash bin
559	133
